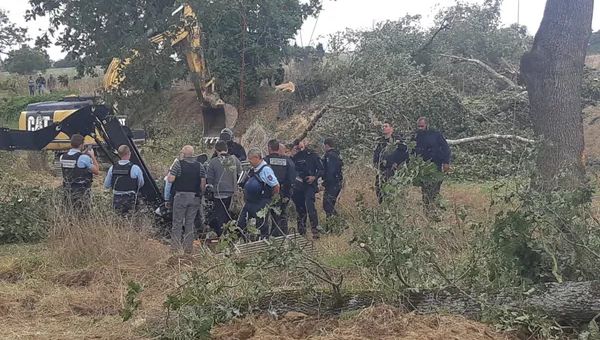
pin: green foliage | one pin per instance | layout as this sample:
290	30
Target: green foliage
548	236
400	254
11	108
67	61
270	26
24	215
93	34
10	34
594	46
132	301
26	60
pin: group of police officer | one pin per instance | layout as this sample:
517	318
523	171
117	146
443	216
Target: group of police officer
287	173
392	152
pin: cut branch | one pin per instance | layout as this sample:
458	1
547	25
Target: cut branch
490	136
511	84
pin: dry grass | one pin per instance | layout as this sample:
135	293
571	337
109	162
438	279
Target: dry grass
379	322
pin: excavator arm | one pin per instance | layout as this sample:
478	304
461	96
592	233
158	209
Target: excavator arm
216	113
87	121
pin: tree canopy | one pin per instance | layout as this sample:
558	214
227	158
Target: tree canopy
255	30
26	60
10	33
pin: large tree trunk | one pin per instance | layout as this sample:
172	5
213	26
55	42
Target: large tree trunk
568	303
553	72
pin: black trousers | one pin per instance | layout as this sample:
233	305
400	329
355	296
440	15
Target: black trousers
123	204
330	199
304	200
249	211
78	198
430	191
279	219
220	214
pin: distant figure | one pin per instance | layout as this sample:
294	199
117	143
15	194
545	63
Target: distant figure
63	79
432	147
31	85
51	83
40	82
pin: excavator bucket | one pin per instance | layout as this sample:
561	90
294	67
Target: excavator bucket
216	119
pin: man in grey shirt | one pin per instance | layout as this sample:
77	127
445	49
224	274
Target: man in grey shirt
189	179
222	174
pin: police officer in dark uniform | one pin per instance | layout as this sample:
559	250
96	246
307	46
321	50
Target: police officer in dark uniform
78	169
126	179
285	171
189	180
332	176
390	153
259	189
432	147
234	148
308	168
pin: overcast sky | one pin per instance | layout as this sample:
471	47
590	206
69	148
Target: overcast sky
341	14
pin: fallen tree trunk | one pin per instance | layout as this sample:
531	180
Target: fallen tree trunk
569	303
487	137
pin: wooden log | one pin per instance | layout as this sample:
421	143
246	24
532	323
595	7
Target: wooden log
569	303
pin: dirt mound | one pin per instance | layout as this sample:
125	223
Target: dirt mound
381	322
184	107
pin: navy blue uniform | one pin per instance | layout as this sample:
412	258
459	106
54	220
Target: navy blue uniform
332	180
307	164
432	146
285	171
258	192
389	154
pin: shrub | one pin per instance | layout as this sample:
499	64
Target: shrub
24	215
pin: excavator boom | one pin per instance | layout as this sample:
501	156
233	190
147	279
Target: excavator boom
95	121
216	113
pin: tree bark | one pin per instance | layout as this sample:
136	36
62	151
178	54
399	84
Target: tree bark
569	303
553	72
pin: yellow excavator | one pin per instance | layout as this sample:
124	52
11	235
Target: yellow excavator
217	115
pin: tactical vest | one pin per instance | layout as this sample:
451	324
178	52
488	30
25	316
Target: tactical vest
121	178
189	179
74	176
279	165
255	189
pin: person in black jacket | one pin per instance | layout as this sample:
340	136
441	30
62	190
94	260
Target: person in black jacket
432	147
234	148
308	168
332	176
285	171
390	153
